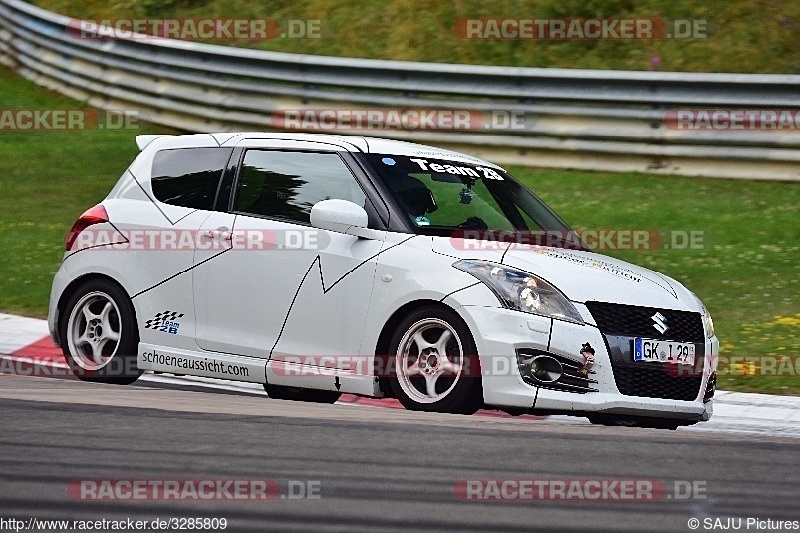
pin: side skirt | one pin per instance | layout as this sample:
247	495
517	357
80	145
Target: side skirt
254	370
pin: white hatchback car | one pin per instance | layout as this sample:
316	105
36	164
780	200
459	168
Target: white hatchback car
319	265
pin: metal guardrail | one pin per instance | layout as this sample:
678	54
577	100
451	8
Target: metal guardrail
605	120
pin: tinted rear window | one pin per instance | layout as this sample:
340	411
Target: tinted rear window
189	177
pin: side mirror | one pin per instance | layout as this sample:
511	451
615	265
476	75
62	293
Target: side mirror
341	216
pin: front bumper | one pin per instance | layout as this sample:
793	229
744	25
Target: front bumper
500	333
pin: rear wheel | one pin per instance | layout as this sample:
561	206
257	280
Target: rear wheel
280	392
99	334
435	362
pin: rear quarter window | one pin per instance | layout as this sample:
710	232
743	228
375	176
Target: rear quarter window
188	177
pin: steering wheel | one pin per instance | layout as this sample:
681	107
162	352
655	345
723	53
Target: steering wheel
473	223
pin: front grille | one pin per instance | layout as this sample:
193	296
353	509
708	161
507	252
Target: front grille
655	383
653	379
636	321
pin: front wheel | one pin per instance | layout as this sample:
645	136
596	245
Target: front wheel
99	334
435	362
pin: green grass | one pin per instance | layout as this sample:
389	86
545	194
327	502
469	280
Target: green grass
747	36
47	179
748	278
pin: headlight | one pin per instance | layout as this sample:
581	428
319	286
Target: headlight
521	291
708	324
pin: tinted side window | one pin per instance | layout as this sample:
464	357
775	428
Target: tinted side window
288	184
189	177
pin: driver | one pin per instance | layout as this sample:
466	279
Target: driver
416	198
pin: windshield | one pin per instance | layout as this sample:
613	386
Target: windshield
443	197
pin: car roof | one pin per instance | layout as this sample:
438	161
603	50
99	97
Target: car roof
354	144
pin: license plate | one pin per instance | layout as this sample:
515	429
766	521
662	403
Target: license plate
663	351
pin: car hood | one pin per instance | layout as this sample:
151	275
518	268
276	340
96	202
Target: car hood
581	276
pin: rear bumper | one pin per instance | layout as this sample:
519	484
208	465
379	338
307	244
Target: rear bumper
60	283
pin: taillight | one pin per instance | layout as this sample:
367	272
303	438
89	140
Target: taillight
95	215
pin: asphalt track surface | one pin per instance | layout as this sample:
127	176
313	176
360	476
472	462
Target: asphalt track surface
378	469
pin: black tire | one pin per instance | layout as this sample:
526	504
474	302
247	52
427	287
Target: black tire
457	390
111	360
280	392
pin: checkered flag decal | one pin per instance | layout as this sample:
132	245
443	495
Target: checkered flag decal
168	315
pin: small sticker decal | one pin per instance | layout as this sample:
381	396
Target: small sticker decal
592	263
388	161
165	322
588	356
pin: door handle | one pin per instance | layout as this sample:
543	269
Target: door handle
219	233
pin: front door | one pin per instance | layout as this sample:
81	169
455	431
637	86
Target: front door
284	287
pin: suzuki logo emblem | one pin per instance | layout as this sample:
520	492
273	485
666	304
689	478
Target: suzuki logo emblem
660	323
